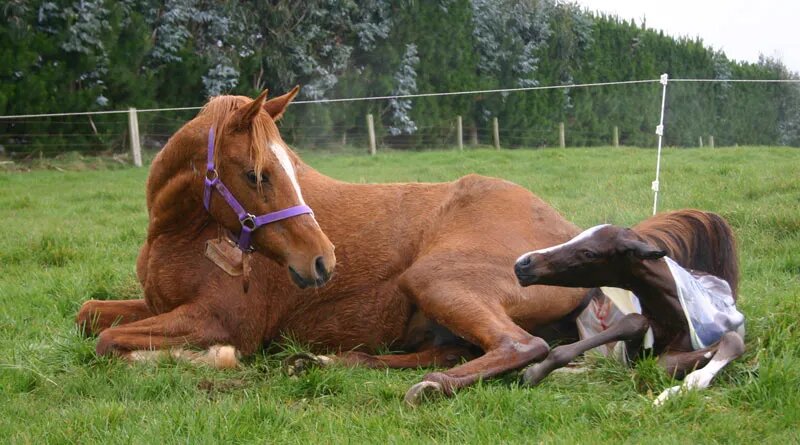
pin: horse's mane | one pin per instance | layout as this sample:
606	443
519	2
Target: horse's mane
697	240
221	108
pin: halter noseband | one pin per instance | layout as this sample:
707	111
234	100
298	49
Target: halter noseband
248	221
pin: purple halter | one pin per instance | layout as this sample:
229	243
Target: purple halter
249	221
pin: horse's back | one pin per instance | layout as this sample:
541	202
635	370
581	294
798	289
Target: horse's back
696	240
484	224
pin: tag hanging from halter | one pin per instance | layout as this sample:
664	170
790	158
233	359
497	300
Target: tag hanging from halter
225	255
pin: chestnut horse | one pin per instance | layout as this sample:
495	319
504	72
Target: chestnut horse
423	268
633	259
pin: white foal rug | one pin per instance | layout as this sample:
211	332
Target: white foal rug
707	303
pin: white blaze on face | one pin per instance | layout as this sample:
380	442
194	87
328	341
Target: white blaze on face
283	158
580	237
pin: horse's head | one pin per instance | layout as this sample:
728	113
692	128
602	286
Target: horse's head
252	162
603	255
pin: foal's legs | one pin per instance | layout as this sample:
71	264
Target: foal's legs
630	328
96	316
729	348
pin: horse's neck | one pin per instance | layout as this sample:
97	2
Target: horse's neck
172	201
653	284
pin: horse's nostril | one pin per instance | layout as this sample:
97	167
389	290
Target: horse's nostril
322	271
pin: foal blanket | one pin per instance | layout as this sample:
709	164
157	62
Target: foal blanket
706	300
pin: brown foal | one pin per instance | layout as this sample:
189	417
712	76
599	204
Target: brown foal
422	268
607	255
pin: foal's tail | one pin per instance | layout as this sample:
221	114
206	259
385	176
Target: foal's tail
697	240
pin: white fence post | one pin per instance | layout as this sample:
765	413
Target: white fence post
660	132
562	137
460	134
371	131
133	129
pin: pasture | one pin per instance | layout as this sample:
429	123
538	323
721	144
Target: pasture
70	236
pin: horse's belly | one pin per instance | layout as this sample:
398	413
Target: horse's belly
542	305
363	320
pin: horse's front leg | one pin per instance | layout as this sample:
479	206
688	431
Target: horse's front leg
167	334
630	328
729	348
95	316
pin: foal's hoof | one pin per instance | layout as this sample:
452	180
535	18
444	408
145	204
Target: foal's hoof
423	391
298	364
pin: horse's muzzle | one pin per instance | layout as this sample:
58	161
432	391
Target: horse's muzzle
524	270
321	275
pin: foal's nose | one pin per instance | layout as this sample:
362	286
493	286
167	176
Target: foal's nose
523	269
522	264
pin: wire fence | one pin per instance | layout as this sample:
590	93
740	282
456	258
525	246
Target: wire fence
621	113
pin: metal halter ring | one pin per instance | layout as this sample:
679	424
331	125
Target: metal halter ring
249	221
212	175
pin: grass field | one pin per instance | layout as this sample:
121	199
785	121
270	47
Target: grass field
70	236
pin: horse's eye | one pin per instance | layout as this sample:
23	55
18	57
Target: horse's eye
251	177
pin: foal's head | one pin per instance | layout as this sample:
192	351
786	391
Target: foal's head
603	255
255	164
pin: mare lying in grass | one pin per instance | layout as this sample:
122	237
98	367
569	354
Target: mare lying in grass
692	315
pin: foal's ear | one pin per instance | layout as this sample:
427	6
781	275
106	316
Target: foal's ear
276	106
643	251
244	116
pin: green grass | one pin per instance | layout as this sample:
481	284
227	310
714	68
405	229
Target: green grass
70	236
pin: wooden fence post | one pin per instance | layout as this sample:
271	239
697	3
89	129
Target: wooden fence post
711	141
371	131
496	133
133	130
616	137
562	140
460	134
701	141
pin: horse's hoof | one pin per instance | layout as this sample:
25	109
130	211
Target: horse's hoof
668	394
298	364
533	375
423	391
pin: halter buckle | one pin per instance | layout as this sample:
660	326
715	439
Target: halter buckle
249	221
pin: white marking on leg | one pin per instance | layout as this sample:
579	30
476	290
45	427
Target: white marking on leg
580	237
698	379
217	356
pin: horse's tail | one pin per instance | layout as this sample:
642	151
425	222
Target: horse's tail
697	240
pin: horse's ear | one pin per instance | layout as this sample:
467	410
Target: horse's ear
244	116
643	251
276	106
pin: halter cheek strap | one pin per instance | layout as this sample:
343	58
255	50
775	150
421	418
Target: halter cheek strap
248	221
